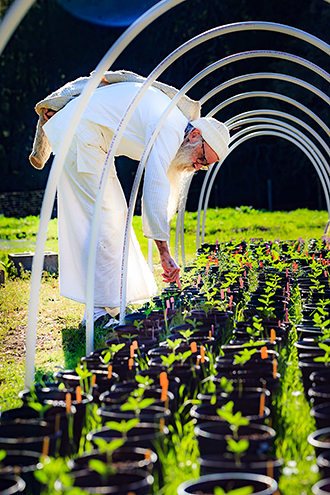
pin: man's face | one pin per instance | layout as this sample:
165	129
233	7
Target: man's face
203	155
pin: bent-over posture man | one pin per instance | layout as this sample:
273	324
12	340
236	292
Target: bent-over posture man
182	147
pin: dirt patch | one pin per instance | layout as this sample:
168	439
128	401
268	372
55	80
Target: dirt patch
14	344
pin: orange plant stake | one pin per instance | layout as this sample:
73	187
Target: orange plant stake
264	352
78	394
135	344
262	404
274	368
68	402
163	397
202	354
162	378
45	447
272	336
110	371
130	363
193	347
93	380
131	351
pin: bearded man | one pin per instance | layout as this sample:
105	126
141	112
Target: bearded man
182	147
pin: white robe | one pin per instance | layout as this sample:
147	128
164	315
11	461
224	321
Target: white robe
79	182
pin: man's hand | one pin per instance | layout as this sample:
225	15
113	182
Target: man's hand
171	269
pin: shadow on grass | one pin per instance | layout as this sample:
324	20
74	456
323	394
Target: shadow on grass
74	344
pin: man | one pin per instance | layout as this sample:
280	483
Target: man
181	148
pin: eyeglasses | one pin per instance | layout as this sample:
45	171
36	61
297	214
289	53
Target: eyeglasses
203	161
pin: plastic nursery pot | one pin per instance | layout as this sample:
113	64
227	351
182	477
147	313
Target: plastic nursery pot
212	437
249	463
142	435
320	377
71	379
321	414
250	411
307	366
57	399
243	395
120	483
319	395
320	440
322	487
262	485
151	414
122	458
10	485
28	435
23	463
323	462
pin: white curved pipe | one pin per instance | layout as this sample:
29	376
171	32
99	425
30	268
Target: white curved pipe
11	20
305	148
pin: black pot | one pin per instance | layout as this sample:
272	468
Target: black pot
262	485
322	487
321	414
241	394
142	435
250	463
320	440
323	462
320	377
151	414
23	463
307	366
212	437
133	458
10	485
319	395
57	399
208	413
120	483
28	435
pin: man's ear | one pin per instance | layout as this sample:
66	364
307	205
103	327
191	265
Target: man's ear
194	135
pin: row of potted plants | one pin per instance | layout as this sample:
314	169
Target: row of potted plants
204	364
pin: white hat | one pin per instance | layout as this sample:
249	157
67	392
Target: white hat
215	133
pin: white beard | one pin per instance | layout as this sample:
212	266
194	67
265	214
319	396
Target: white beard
180	171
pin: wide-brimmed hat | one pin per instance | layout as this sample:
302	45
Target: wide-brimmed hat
215	133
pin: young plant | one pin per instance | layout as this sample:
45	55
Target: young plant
123	427
105	469
109	354
244	490
244	356
234	445
135	401
326	358
267	298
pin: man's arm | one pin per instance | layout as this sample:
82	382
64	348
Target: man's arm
171	269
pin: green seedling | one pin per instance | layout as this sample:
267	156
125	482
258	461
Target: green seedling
109	354
244	490
135	401
123	427
326	358
257	328
234	445
105	469
235	420
244	356
84	375
174	344
189	332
